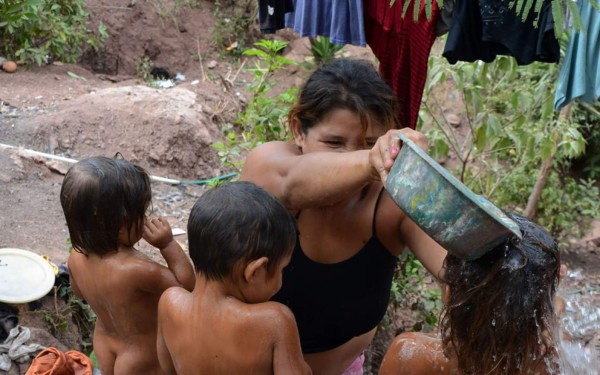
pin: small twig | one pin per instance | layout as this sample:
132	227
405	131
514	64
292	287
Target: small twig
454	147
204	77
238	71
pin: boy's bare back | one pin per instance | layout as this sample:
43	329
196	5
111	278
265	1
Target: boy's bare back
202	333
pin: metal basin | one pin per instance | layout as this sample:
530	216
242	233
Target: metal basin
464	223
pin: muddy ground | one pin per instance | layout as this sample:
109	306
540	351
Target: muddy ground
102	106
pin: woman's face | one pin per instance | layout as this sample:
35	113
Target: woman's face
339	131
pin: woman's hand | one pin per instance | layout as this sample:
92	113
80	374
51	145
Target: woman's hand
386	149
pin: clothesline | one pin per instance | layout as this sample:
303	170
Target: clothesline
477	30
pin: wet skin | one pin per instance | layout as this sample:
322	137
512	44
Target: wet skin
123	289
230	326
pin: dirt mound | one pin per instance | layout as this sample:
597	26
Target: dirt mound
165	130
168	33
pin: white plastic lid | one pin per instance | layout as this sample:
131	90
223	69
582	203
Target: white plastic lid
24	276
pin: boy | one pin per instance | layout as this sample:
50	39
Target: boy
240	240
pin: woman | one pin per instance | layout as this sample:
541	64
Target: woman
350	231
499	317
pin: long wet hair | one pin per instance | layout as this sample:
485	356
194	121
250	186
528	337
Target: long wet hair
501	303
348	84
99	196
238	221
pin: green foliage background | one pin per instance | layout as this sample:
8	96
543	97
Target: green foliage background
35	31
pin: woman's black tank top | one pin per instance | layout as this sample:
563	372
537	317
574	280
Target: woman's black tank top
333	303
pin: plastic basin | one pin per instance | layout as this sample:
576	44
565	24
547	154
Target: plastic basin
464	223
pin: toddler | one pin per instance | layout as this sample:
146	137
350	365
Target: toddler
105	201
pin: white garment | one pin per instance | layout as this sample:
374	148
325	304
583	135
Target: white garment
15	349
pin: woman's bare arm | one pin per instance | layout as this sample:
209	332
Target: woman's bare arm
307	180
429	252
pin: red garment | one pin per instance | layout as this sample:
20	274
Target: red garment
402	47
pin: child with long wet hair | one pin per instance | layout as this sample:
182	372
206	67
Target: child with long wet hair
105	202
499	314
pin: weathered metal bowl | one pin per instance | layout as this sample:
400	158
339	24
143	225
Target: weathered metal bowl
464	223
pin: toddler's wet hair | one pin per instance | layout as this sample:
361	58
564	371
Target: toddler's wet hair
101	195
238	221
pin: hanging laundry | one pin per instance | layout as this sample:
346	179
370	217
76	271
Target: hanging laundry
483	29
580	74
271	14
445	20
339	20
402	47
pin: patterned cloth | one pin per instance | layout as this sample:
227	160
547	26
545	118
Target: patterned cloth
402	47
580	73
339	20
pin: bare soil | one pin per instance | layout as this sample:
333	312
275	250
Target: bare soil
100	107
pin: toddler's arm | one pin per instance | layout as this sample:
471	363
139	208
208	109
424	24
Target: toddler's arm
158	233
164	357
287	355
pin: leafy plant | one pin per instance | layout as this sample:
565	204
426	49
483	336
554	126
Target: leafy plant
323	50
410	290
35	31
143	67
588	116
74	310
513	134
265	117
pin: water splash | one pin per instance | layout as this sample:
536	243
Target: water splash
575	359
581	320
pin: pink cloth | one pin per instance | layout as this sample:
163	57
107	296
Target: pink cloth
356	368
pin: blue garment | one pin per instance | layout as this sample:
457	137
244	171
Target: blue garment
340	20
580	74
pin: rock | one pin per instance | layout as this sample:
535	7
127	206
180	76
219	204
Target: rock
212	64
9	67
453	120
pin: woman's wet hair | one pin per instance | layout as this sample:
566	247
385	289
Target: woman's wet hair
500	309
99	196
238	221
348	84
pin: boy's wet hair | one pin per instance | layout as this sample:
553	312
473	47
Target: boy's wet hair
348	84
100	195
501	303
238	221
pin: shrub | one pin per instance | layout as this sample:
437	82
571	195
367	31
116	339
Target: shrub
35	31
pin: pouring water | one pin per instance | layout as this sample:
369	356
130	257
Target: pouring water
581	320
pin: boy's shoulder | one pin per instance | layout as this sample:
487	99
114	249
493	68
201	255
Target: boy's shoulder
271	316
